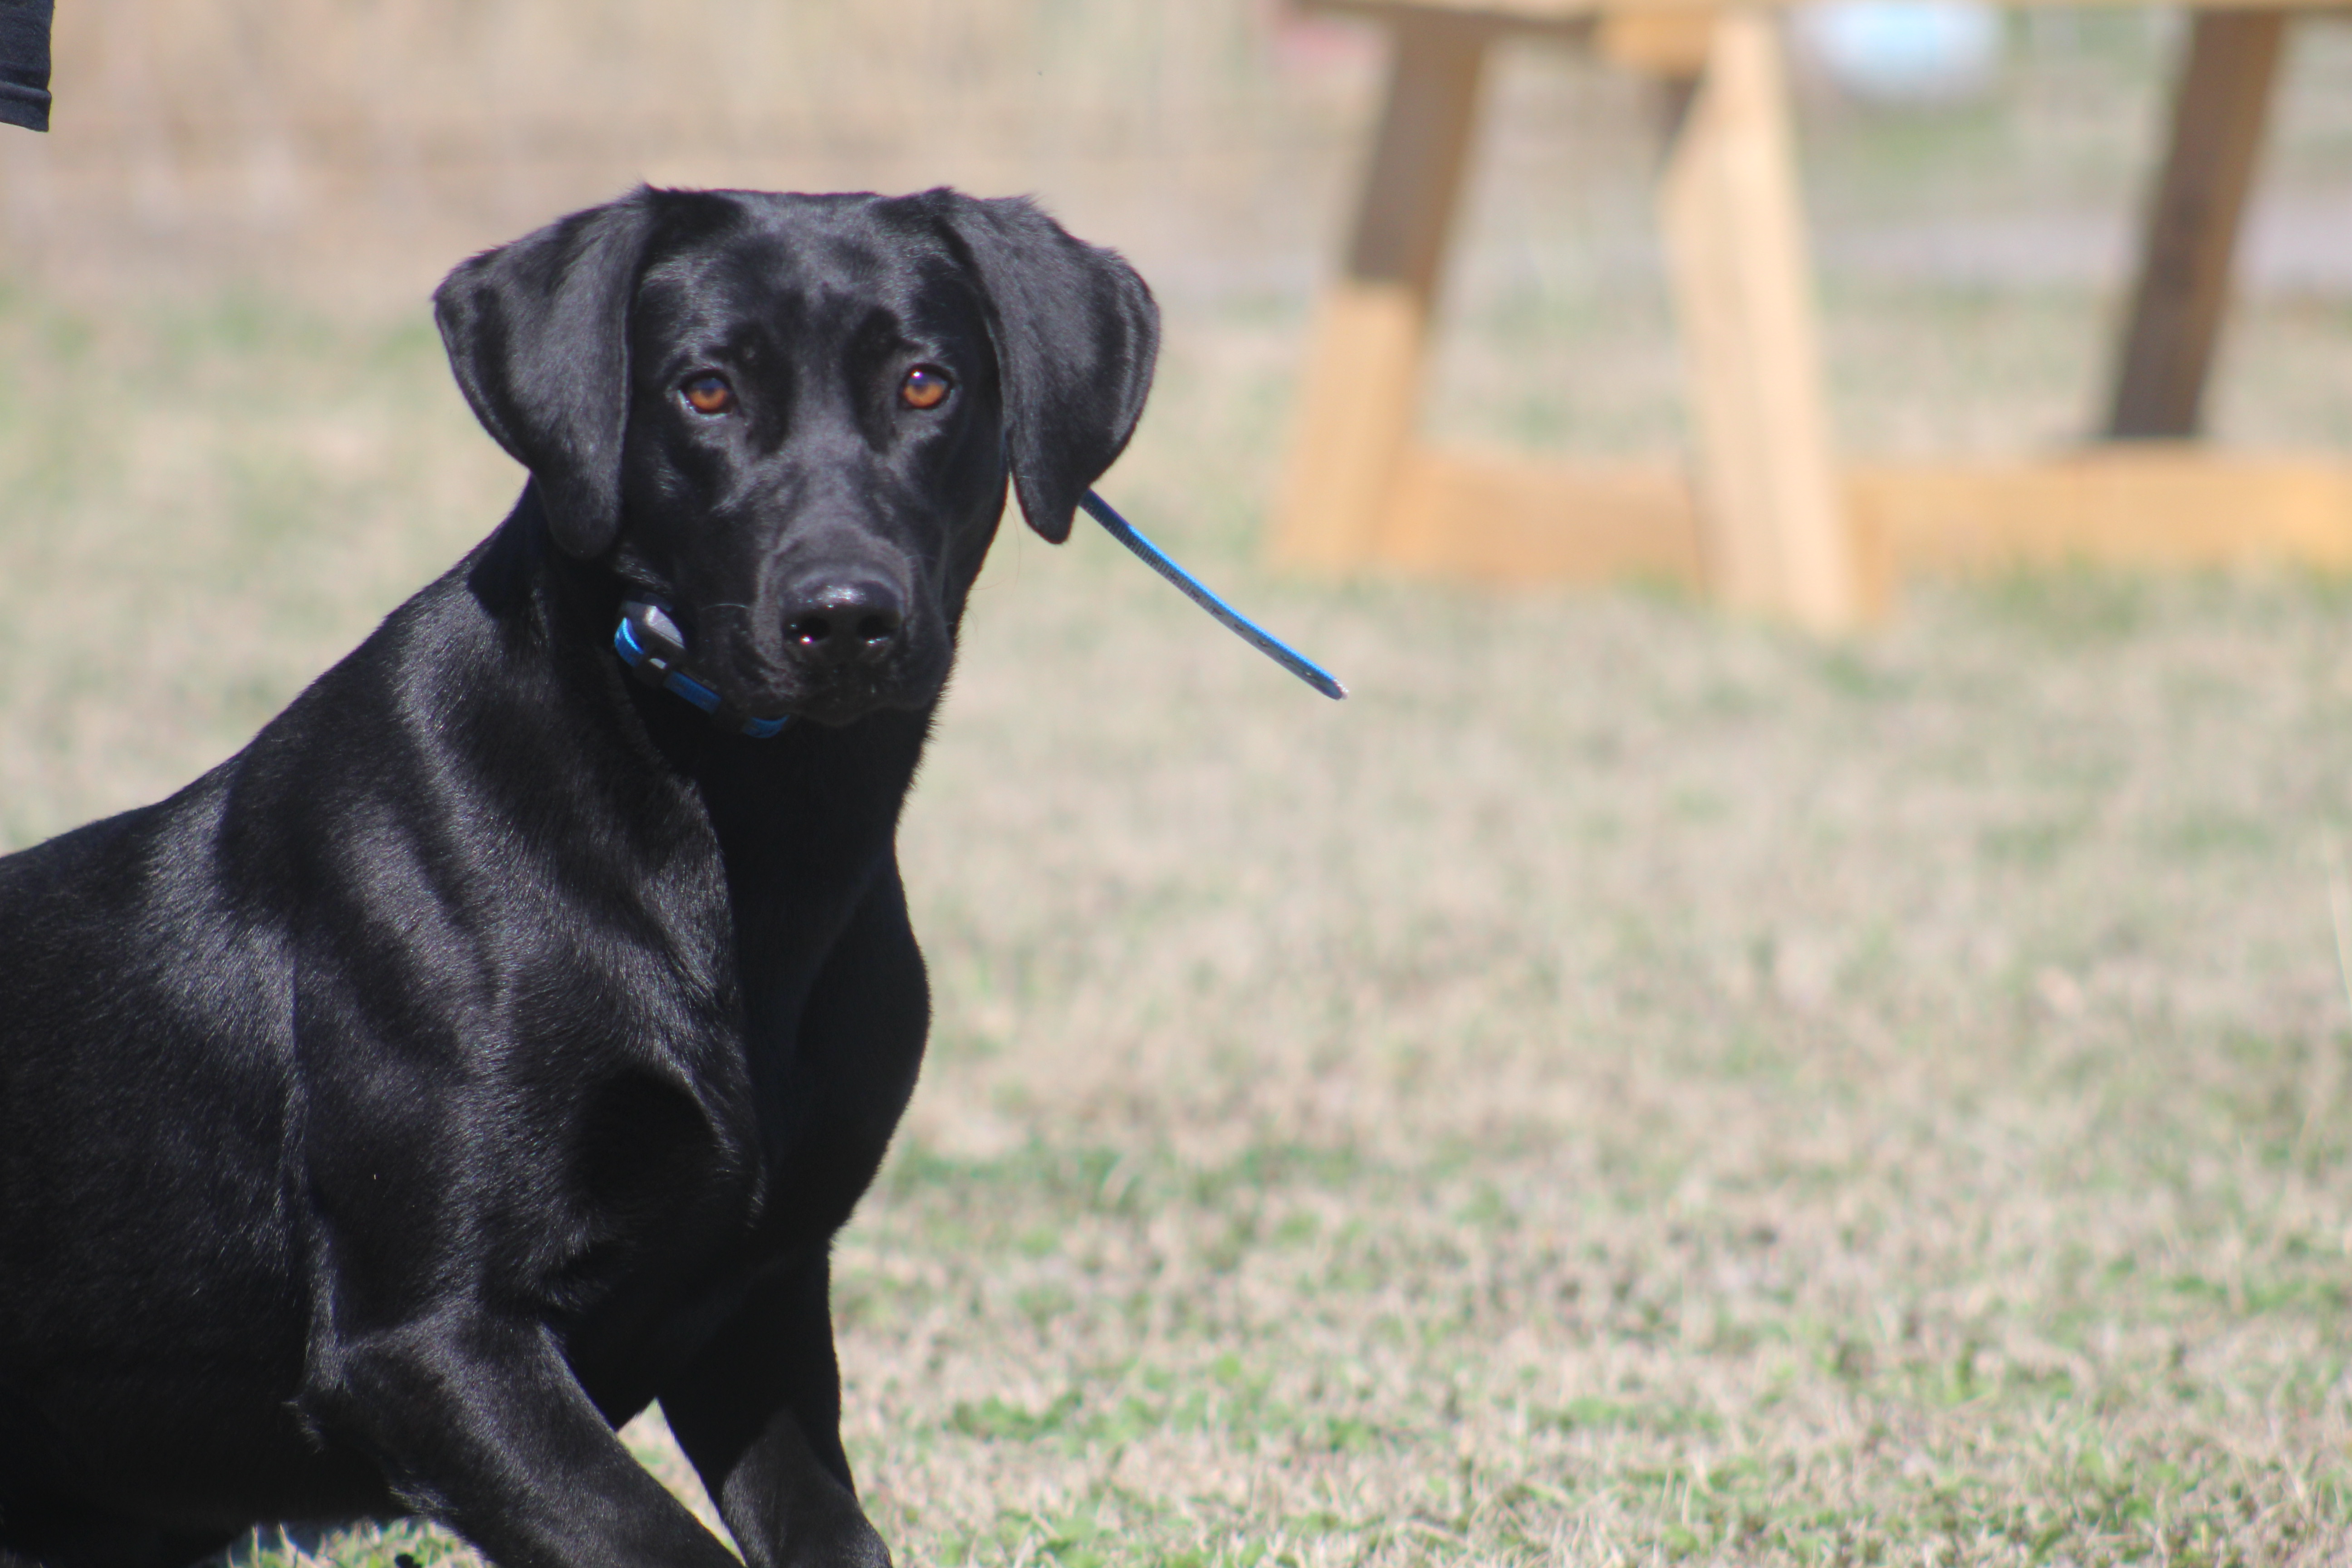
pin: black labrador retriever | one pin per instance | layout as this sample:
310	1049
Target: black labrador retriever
495	1045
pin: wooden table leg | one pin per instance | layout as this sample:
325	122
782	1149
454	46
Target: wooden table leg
2217	119
1772	512
1361	398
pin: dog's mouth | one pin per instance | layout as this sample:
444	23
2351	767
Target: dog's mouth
833	680
839	703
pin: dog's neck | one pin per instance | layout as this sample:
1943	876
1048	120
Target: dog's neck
569	606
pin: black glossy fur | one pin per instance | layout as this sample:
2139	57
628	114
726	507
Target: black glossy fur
494	1046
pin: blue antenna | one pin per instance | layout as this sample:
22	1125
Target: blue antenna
1241	625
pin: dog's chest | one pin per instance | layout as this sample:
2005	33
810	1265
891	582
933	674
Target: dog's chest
753	1068
736	1151
690	1204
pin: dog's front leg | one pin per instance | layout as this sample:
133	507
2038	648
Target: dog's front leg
480	1424
759	1416
759	1410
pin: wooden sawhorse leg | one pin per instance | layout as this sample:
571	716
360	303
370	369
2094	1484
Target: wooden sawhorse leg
1774	531
1361	395
2217	117
1770	522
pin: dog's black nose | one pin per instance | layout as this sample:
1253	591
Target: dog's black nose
844	621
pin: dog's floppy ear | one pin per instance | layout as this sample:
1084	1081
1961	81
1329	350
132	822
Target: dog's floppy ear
1075	332
538	335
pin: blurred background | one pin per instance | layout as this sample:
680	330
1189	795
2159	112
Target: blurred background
1630	1085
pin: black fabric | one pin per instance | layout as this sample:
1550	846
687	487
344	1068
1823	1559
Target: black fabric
25	63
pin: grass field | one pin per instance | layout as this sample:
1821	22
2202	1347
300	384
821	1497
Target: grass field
1629	1086
1626	1086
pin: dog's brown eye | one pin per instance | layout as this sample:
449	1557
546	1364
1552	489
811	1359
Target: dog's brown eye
925	386
709	394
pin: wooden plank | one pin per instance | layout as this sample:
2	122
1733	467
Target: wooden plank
1568	16
2218	117
1506	518
2154	506
1360	398
1670	45
1775	536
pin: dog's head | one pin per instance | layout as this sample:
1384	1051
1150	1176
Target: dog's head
789	418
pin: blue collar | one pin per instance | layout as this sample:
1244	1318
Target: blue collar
651	645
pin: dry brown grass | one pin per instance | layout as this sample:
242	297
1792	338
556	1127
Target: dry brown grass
1627	1086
